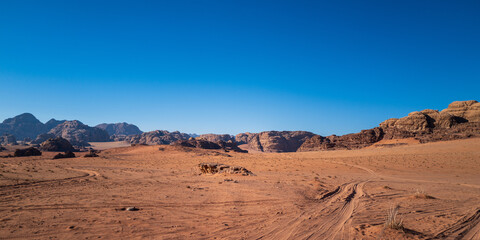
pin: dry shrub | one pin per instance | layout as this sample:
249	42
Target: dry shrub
421	194
392	220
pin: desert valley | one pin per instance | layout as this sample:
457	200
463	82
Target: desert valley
416	177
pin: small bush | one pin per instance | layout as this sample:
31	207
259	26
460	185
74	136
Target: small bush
392	220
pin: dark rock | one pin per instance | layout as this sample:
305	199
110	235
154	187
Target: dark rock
27	152
92	153
67	154
58	144
120	129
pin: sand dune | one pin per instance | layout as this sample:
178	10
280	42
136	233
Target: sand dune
306	195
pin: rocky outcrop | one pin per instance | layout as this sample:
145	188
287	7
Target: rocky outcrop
204	144
120	129
8	139
79	134
350	141
58	144
67	154
460	120
53	123
43	137
468	110
27	152
217	137
157	137
274	141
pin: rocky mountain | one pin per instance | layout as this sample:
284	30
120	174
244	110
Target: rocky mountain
120	129
205	144
459	120
79	134
157	137
26	126
22	126
217	137
274	141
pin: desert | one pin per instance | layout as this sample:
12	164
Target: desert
342	194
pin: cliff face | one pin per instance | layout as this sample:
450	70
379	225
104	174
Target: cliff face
459	120
157	137
274	141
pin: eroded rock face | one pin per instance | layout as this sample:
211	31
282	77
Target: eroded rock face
79	134
217	137
157	137
460	120
8	139
469	110
120	129
362	139
58	144
204	144
274	141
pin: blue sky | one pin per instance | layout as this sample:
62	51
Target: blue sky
330	67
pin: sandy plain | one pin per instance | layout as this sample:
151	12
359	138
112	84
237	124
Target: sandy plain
301	195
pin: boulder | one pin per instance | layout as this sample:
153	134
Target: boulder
27	152
58	144
67	154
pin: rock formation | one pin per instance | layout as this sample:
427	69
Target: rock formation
120	129
79	134
67	154
217	137
27	152
157	137
42	138
460	120
274	141
204	144
22	126
8	139
58	144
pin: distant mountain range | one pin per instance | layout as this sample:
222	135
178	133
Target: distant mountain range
460	120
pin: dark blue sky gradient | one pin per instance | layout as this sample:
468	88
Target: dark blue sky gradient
234	66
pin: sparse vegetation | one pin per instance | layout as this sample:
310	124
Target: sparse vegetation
392	220
421	194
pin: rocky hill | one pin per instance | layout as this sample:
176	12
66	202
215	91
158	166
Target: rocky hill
217	137
26	126
120	128
459	120
274	141
157	137
7	139
79	134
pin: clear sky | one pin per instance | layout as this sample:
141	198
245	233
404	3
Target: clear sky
234	66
